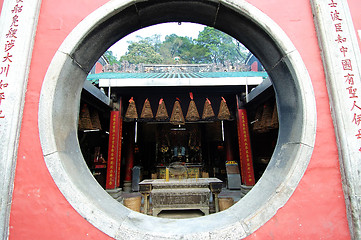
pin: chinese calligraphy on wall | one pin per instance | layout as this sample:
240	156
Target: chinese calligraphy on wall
7	53
346	66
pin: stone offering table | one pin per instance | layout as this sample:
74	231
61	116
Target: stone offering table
183	194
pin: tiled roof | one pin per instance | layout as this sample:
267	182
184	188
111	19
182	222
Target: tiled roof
94	78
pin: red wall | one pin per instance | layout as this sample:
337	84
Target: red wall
254	67
355	6
316	210
39	210
1	5
98	68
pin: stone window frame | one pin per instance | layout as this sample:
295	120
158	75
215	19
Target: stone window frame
59	108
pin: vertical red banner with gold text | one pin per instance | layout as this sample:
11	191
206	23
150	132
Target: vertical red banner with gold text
113	153
120	132
245	152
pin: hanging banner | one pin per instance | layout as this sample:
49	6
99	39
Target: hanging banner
120	132
245	151
113	150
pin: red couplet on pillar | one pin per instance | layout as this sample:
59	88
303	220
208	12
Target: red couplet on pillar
119	160
245	152
113	150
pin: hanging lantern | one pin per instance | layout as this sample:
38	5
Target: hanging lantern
84	119
224	113
266	117
162	113
147	110
177	114
131	112
192	113
207	110
274	121
95	121
257	121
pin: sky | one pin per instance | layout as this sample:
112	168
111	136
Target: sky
164	29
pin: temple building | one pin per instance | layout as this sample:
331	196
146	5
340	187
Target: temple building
155	121
76	142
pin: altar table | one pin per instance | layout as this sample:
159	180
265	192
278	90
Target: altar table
180	194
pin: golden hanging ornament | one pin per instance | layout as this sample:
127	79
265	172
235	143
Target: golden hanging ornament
207	110
177	114
266	117
84	118
147	110
94	117
274	121
131	112
257	119
162	113
192	113
224	113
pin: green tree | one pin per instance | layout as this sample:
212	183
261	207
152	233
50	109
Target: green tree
154	40
211	46
111	58
142	51
176	46
200	54
220	46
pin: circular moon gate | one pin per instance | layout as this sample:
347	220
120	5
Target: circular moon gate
59	108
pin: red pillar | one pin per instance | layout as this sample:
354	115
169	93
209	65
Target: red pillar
228	142
129	159
245	151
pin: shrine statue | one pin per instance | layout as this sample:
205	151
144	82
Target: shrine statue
179	151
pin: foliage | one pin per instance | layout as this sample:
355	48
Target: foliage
142	52
211	46
176	46
111	58
219	46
